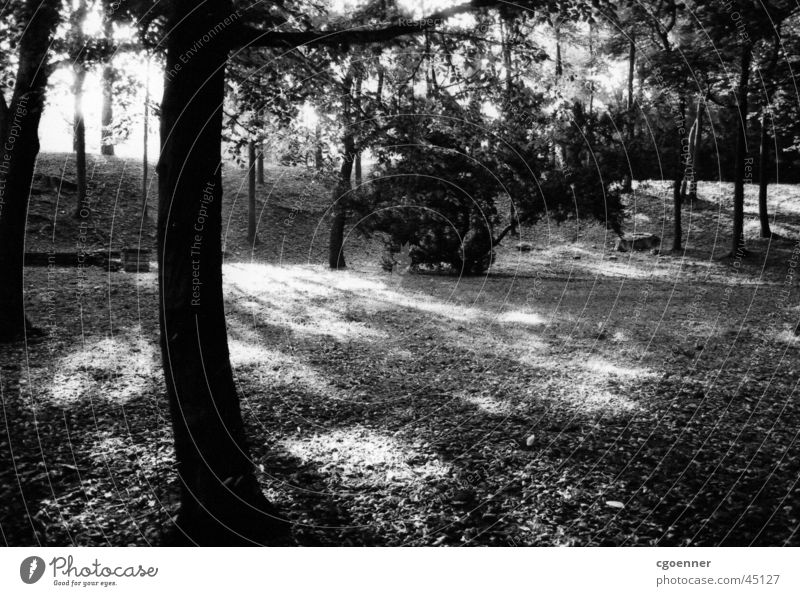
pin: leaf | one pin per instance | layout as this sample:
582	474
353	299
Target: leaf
616	504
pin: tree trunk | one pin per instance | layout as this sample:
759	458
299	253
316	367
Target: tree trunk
688	168
82	207
146	137
631	71
107	111
763	176
737	238
318	157
342	191
679	174
627	181
17	160
221	503
251	193
559	65
696	144
358	174
260	165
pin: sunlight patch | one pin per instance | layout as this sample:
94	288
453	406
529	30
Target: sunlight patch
115	369
606	367
787	337
487	404
604	400
360	457
521	318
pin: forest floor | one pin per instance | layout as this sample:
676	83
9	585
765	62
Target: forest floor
572	396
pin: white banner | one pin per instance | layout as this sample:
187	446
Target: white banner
400	571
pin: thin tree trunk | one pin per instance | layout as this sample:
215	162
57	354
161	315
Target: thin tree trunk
146	137
318	157
379	92
763	176
357	110
342	191
260	165
21	145
696	145
559	65
679	174
251	193
687	165
627	181
591	68
340	199
82	208
737	238
221	502
107	111
631	71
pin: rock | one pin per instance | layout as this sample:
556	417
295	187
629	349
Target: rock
638	242
524	247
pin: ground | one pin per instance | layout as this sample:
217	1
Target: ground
573	396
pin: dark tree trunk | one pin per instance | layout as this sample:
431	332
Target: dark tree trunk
627	181
679	174
379	92
21	145
318	157
559	65
687	164
631	71
696	144
251	193
107	111
342	191
221	503
763	176
82	208
737	238
357	110
260	165
146	137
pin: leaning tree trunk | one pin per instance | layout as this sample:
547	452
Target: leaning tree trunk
107	111
79	143
343	186
737	238
221	502
763	176
21	145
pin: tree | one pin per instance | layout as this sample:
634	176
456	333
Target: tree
78	56
221	502
107	110
19	124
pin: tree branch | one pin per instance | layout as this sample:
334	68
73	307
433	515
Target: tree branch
248	36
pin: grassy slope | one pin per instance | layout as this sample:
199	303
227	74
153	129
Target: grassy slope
388	409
